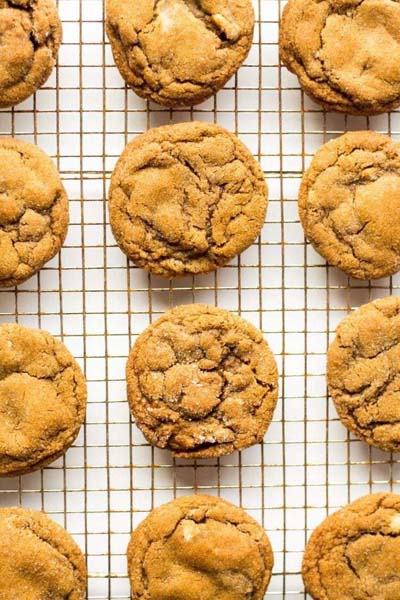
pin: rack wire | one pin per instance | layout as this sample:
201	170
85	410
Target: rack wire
98	303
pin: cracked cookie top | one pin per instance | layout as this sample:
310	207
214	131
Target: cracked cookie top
42	399
179	52
202	382
199	547
348	200
30	36
355	553
186	198
38	558
364	372
344	52
33	211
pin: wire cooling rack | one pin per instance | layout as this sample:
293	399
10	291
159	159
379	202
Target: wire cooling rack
98	303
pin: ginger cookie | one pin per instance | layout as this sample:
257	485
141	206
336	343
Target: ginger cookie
348	202
30	36
33	211
38	558
42	399
179	52
202	382
364	373
185	199
199	547
355	553
344	52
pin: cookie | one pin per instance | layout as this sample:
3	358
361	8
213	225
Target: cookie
186	198
30	33
33	211
199	547
344	52
38	558
42	399
179	52
202	382
364	373
355	553
347	203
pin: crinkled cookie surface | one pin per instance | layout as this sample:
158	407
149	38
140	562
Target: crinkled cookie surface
348	202
364	372
42	399
186	198
344	52
202	382
39	560
30	36
355	553
33	211
199	547
179	52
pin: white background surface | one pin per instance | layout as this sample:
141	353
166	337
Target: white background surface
98	303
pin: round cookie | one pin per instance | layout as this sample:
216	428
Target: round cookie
186	198
33	211
38	558
364	372
30	33
179	52
199	547
347	202
355	553
42	399
344	52
202	382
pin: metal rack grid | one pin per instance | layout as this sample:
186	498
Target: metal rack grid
98	303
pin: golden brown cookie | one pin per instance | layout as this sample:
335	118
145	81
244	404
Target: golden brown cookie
202	382
39	560
348	202
199	547
364	372
42	399
179	52
33	211
185	199
30	36
344	52
355	553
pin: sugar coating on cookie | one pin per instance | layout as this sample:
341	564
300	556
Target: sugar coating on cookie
30	33
364	372
202	382
348	202
199	547
186	198
344	52
38	558
42	399
179	52
33	211
355	553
